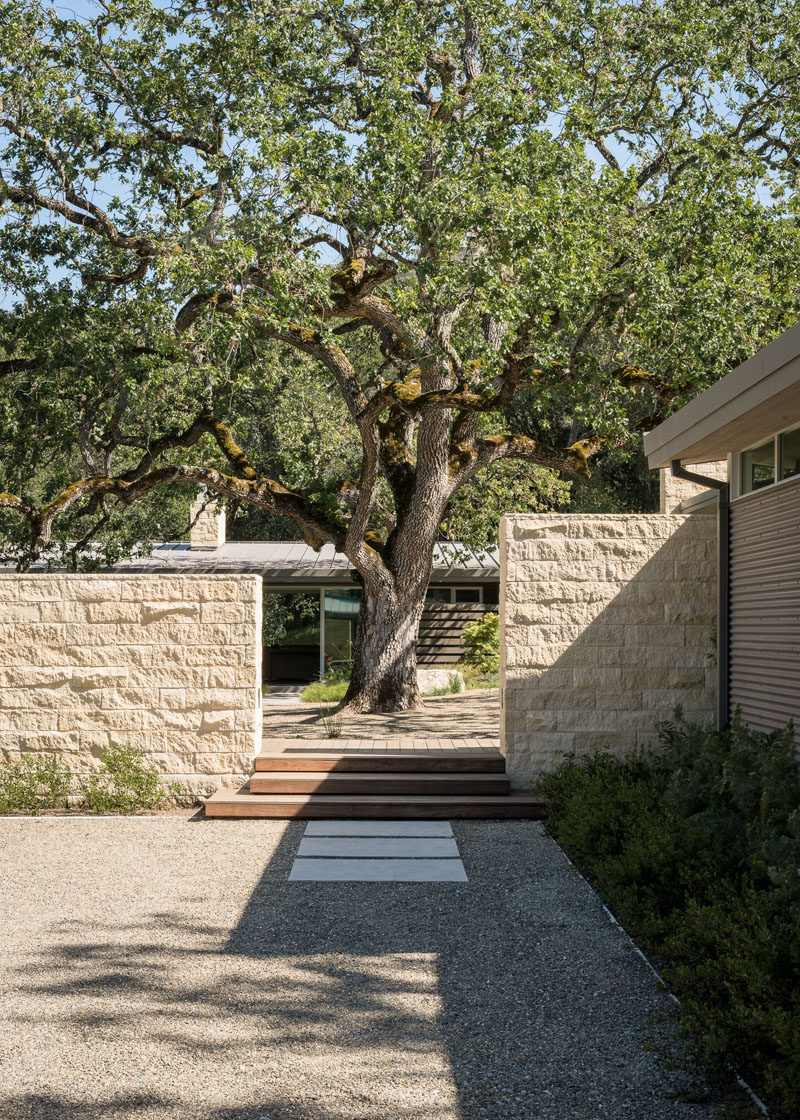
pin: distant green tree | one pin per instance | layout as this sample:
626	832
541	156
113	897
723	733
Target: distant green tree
430	211
473	516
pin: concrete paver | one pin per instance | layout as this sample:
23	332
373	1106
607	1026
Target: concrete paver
373	847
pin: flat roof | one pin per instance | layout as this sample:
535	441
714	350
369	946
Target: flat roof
756	399
294	563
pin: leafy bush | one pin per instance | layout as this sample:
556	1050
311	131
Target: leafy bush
34	784
482	639
124	784
697	849
319	692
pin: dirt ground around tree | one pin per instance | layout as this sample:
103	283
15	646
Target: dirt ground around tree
468	715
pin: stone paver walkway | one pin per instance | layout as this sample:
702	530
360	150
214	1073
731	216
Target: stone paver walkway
378	852
166	969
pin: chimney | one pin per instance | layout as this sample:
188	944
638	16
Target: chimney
207	521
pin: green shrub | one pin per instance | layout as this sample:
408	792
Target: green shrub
696	847
482	639
319	692
125	783
34	784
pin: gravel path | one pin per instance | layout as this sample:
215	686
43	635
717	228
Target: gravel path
161	968
474	714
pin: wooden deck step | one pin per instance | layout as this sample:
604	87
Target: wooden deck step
483	762
381	784
243	803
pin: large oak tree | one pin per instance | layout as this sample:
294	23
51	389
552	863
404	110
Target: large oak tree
486	230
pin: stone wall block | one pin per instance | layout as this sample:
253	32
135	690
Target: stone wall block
26	719
124	724
597	526
618	700
169	664
695	572
654	636
180	612
227	612
115	611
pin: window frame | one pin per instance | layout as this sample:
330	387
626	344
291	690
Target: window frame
452	588
737	475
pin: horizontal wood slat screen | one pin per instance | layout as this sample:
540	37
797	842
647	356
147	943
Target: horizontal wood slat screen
440	630
765	606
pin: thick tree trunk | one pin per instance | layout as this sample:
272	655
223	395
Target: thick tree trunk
384	674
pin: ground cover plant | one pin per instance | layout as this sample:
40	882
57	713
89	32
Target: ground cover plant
32	784
125	783
696	848
376	268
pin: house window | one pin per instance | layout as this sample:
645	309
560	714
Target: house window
790	453
758	467
454	595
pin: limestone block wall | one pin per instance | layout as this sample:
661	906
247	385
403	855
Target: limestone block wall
674	491
170	664
606	624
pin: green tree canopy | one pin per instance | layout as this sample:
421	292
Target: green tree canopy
486	230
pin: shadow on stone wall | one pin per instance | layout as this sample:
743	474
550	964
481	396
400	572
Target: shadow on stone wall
608	623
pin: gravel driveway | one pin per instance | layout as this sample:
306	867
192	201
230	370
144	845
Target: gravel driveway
164	968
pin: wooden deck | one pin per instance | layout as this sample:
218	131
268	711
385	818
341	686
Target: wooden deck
391	745
438	761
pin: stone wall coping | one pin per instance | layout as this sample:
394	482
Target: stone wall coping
516	518
200	577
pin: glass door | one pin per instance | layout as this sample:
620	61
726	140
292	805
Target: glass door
290	635
339	623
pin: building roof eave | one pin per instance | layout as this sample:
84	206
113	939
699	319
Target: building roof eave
756	399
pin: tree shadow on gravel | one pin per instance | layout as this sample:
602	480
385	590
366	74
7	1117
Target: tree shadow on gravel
506	998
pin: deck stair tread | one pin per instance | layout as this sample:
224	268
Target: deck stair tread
392	761
243	803
333	782
295	779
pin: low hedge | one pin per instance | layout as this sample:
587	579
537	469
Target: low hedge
696	848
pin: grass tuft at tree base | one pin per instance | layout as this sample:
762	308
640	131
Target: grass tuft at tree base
324	692
696	849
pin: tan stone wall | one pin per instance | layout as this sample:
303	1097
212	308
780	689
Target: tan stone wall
606	624
171	664
674	491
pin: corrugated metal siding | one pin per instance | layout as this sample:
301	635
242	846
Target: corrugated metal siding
765	606
440	631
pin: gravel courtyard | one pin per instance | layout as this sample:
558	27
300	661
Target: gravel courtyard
160	968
